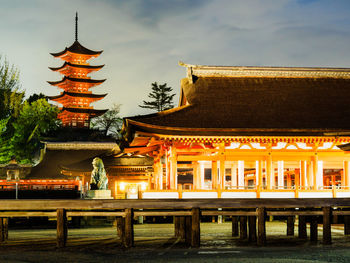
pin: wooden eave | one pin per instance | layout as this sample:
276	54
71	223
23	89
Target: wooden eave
78	66
77	80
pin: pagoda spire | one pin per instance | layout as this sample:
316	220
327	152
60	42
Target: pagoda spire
76	26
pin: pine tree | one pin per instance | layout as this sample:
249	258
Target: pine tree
161	98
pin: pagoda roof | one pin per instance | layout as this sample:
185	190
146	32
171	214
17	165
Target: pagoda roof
77	94
66	64
94	81
84	110
232	101
77	48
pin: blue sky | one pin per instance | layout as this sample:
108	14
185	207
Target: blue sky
144	40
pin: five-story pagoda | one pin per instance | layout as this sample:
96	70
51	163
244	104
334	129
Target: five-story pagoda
76	96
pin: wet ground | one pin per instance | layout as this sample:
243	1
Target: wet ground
155	243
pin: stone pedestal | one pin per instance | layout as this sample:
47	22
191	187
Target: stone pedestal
98	194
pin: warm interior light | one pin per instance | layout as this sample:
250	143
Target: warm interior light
143	186
122	186
133	190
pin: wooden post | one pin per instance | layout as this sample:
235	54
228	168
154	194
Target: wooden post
270	175
188	231
61	227
252	228
302	227
214	174
182	227
121	227
195	231
261	226
327	235
313	229
5	225
129	228
346	225
234	226
243	227
177	226
290	225
2	237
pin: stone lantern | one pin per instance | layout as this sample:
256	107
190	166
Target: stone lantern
12	170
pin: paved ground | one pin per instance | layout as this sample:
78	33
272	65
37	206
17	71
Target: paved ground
155	243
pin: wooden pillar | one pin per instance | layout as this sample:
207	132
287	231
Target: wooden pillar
214	174
327	235
196	176
346	225
241	174
129	228
310	182
234	226
61	227
195	232
234	175
302	173
2	234
346	173
188	231
173	168
222	173
252	228
160	175
5	224
290	225
261	226
121	227
182	227
313	229
302	227
243	227
177	226
280	169
270	175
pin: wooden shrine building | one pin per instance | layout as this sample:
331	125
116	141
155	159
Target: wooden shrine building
76	84
249	132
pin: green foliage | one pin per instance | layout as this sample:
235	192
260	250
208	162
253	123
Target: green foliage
35	97
110	122
161	98
10	96
34	121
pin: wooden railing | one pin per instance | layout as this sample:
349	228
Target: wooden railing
187	214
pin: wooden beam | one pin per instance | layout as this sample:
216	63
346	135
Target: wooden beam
327	234
62	230
228	213
346	225
94	213
195	232
261	226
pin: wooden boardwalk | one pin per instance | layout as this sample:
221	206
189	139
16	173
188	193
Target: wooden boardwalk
249	214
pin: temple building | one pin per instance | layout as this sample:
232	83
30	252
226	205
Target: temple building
249	132
76	96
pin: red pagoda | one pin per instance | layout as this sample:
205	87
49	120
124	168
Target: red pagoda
76	96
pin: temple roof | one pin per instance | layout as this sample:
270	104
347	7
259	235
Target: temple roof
78	95
95	81
77	48
260	103
66	64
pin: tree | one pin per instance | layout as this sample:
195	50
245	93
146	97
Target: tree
34	121
110	122
11	97
161	98
35	97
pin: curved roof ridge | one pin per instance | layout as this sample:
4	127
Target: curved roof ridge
76	66
76	80
77	94
161	113
77	48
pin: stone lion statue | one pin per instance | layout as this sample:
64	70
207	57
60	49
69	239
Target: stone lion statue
99	178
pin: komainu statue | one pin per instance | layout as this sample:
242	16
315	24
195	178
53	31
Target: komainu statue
99	178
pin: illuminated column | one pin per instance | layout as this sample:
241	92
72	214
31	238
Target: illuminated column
222	174
214	174
319	175
303	174
269	173
241	174
201	167
346	172
234	175
280	165
309	174
160	175
196	176
173	168
155	174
